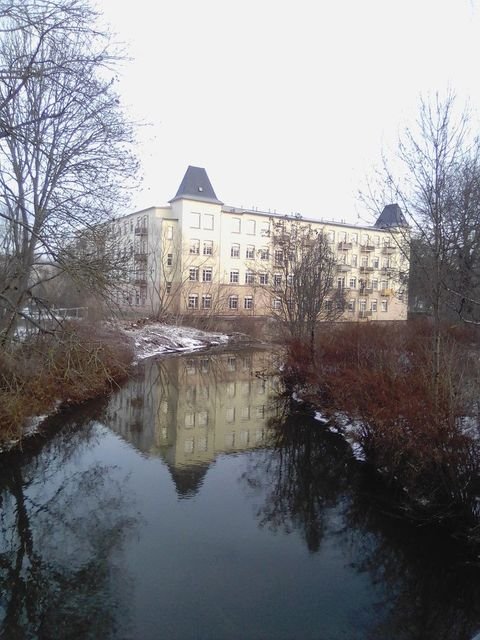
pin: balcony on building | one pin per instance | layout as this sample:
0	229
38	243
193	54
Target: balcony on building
141	230
367	247
140	279
365	291
365	269
345	246
140	255
386	292
388	250
343	266
364	314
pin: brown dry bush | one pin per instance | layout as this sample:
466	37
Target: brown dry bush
73	364
412	430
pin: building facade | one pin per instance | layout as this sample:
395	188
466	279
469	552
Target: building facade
197	255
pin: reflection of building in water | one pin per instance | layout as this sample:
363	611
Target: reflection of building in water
190	409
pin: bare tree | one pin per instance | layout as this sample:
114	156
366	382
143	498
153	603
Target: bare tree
65	160
437	183
300	278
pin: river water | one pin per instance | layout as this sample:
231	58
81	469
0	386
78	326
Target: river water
190	504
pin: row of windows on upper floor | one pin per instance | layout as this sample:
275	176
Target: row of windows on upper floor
252	227
278	254
233	440
140	223
234	303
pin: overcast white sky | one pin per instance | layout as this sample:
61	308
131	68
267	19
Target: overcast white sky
286	104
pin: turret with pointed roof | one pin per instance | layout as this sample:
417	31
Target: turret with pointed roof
391	216
196	186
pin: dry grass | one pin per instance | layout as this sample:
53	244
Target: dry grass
76	363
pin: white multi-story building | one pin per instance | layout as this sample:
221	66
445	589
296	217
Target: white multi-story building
197	255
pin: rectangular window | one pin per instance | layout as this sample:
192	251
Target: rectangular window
193	274
193	301
342	236
251	227
277	281
208	221
264	253
373	305
207	248
169	232
384	305
168	287
278	256
169	259
290	280
249	277
354	238
375	262
354	261
364	261
207	274
235	251
195	247
277	304
341	283
362	305
233	302
248	302
374	285
264	229
236	225
195	220
353	283
250	252
331	236
351	305
263	277
207	301
234	277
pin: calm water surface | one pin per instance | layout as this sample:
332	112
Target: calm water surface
191	505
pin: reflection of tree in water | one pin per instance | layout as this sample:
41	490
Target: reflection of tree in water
427	588
431	587
305	472
60	529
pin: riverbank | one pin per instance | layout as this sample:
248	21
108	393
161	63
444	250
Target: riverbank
82	362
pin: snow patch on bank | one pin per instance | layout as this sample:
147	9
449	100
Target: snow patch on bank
156	339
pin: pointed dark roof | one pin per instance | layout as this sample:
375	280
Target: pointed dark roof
196	186
391	216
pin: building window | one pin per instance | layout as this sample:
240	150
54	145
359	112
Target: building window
207	301
168	287
373	305
236	225
250	252
207	274
208	221
277	281
374	285
384	306
195	247
342	236
193	274
263	277
193	301
362	305
234	277
290	280
249	277
364	261
354	238
277	304
169	232
375	262
278	256
351	305
195	220
248	302
207	248
169	259
264	253
264	229
331	236
233	302
235	251
341	283
353	283
251	227
328	305
354	261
